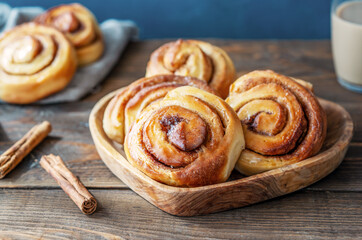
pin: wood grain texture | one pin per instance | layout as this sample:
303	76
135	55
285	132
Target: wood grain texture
347	176
122	214
328	209
231	194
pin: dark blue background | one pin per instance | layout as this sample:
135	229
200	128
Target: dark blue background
245	19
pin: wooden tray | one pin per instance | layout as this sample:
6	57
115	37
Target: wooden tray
233	193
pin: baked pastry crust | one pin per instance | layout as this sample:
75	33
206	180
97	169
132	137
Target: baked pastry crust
35	61
283	121
194	58
189	138
124	108
80	26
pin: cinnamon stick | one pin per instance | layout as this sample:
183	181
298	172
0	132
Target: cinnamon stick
71	185
16	153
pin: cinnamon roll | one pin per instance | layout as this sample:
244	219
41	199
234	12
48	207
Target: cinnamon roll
282	120
130	101
35	61
80	26
189	138
194	58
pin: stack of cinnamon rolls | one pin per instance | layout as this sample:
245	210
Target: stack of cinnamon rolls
40	58
189	123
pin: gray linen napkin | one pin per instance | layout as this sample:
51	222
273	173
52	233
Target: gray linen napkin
116	34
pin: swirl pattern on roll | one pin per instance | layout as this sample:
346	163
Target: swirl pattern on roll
80	26
130	101
35	61
282	120
189	138
194	58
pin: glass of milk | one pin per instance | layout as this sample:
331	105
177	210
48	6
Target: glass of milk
346	33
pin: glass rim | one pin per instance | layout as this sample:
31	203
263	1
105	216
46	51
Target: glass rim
334	6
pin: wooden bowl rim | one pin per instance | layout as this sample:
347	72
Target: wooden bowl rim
95	129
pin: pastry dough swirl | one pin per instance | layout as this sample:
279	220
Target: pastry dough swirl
80	26
194	58
283	121
35	61
189	138
130	101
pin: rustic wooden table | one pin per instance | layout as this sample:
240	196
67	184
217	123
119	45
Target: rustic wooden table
33	206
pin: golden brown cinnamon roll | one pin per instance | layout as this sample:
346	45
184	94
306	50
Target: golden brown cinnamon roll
35	61
283	121
80	26
189	138
194	58
130	101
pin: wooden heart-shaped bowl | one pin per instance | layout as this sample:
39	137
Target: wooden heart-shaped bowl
234	193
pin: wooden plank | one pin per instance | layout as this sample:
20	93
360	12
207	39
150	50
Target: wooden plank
355	110
309	214
121	213
347	177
